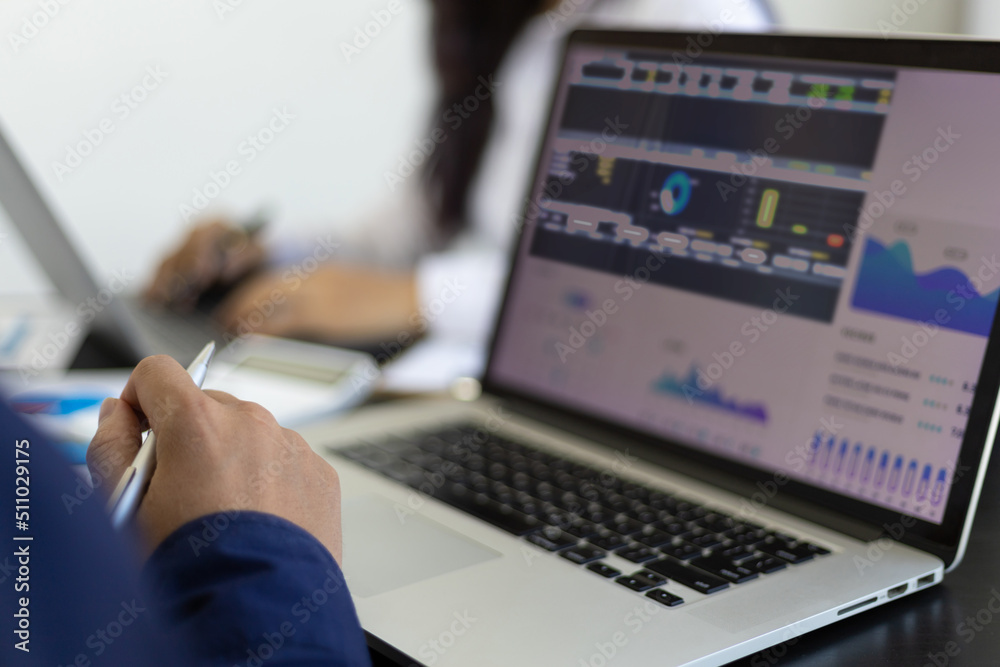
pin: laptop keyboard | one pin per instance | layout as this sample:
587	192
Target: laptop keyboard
583	513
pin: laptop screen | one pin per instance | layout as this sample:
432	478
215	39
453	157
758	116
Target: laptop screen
789	263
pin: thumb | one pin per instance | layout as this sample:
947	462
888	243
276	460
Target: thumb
115	444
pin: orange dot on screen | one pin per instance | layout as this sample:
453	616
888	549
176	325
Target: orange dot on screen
835	240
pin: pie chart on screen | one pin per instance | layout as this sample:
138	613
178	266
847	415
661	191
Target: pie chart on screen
676	193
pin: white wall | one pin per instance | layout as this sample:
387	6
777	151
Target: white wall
225	74
909	15
982	17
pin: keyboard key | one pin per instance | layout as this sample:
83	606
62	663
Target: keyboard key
643	514
693	578
715	522
582	554
623	525
736	553
780	548
489	511
682	551
657	538
636	583
720	567
675	528
652	576
582	529
816	549
569	502
608	541
665	597
551	539
526	505
765	564
748	539
706	541
603	569
637	553
596	513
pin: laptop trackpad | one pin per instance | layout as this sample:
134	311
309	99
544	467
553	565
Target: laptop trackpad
385	549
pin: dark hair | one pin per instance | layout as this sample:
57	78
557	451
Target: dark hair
470	38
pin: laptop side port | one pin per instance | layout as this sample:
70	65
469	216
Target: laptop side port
898	590
856	606
925	580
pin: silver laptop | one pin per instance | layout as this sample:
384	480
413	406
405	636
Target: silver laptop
744	381
120	327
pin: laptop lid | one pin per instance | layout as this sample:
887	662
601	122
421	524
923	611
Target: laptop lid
40	229
775	255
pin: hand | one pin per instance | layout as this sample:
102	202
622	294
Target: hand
214	453
333	303
213	252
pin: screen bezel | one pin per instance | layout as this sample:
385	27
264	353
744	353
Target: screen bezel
944	540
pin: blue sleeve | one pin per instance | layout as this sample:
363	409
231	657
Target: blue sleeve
283	586
70	591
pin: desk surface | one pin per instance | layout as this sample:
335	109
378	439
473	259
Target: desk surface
909	630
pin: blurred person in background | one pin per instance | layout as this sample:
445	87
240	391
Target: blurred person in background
450	225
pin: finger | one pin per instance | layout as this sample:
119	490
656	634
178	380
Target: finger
201	260
239	263
161	390
116	442
251	305
158	290
222	397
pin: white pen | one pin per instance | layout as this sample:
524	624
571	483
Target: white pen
132	486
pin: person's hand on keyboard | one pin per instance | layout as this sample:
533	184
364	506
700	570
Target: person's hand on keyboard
333	303
213	253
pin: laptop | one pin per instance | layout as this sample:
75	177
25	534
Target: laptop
120	327
744	380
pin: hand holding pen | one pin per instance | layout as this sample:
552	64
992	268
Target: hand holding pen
131	487
215	455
